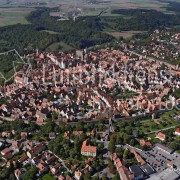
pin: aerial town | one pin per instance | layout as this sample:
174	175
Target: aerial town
107	113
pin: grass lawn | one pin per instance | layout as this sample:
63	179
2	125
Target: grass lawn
59	46
124	34
48	177
149	125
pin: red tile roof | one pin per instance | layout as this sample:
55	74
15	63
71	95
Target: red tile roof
177	130
88	148
161	136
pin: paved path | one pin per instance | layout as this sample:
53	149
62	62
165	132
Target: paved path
6	118
160	130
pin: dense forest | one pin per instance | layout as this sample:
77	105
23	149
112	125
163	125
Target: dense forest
85	32
142	19
173	6
23	37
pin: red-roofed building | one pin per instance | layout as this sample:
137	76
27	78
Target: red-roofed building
161	136
7	156
124	173
170	164
5	151
61	177
88	150
42	167
55	169
77	133
36	150
177	132
78	175
18	173
144	143
23	158
24	135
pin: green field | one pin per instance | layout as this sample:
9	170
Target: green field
11	16
59	46
124	34
11	13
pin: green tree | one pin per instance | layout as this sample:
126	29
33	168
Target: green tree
132	142
119	139
111	167
126	154
136	133
128	130
116	177
111	147
87	176
104	177
95	178
30	174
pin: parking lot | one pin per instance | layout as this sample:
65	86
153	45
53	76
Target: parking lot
158	159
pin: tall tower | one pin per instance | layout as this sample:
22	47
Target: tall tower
44	74
111	117
54	75
37	51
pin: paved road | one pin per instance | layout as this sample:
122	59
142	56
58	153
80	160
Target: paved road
104	172
161	130
7	118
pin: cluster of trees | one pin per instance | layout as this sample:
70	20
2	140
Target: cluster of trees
70	149
23	37
7	173
85	32
19	126
177	93
6	60
141	19
125	134
9	61
173	6
64	148
175	145
30	173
